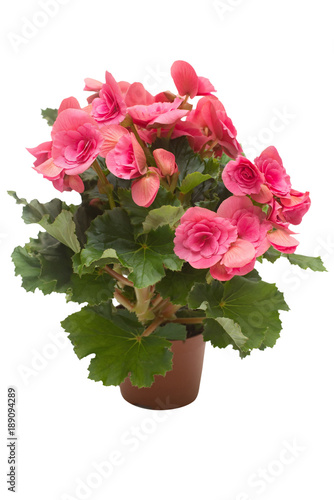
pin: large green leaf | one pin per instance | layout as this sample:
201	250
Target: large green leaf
253	305
147	256
118	346
171	331
28	267
193	180
50	115
177	285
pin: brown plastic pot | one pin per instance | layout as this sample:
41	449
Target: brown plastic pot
179	387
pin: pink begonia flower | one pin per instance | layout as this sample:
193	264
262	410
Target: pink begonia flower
222	273
109	107
295	206
249	220
270	164
211	120
157	114
187	82
111	135
76	141
241	177
145	189
281	240
137	94
165	162
41	152
202	237
127	160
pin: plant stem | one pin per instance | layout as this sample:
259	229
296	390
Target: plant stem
118	277
157	322
105	183
123	300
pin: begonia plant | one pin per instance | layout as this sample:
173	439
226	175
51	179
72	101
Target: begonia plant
172	222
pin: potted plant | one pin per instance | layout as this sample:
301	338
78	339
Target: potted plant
163	246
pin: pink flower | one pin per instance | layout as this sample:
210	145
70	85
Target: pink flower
41	152
203	237
241	177
249	220
223	273
76	141
109	107
111	135
187	82
270	164
145	189
127	160
295	206
281	240
209	122
165	162
157	114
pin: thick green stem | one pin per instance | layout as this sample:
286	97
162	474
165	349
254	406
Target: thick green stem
107	187
142	306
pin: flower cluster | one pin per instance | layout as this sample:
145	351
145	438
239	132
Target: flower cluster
247	230
121	124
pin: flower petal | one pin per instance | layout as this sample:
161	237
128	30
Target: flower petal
240	253
145	189
185	78
68	103
111	136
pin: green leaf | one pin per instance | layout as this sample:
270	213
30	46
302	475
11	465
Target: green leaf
222	332
165	215
53	217
108	257
28	267
147	256
192	180
271	254
138	214
50	115
177	285
253	305
101	236
63	229
43	263
119	349
172	331
93	289
314	263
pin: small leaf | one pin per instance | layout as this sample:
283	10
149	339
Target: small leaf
313	263
192	180
63	229
50	115
165	215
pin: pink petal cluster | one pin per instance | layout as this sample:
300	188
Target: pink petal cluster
109	107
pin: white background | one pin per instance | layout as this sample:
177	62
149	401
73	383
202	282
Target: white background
266	59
